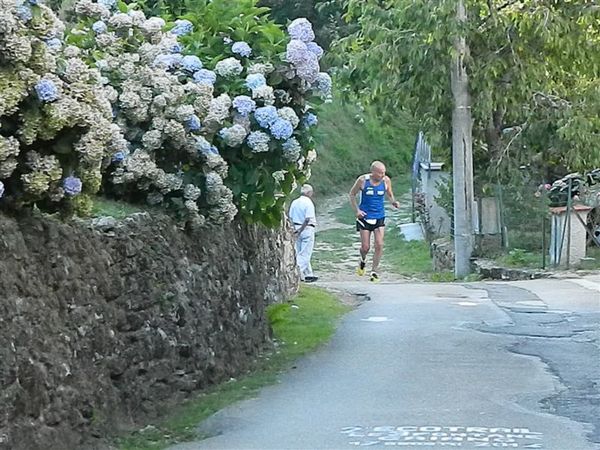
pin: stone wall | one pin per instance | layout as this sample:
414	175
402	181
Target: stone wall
101	323
442	254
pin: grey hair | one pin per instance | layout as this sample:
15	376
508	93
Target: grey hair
306	189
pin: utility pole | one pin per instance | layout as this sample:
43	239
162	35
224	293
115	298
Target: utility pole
462	152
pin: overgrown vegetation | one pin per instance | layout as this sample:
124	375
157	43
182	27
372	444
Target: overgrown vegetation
349	137
299	326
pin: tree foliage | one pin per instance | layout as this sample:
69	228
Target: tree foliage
534	70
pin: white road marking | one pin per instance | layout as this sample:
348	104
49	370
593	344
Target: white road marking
376	319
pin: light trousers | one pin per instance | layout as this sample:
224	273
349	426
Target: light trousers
305	243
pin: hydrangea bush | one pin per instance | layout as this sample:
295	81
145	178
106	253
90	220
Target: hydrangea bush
273	81
56	127
207	115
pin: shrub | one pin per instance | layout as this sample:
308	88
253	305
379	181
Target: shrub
211	128
56	126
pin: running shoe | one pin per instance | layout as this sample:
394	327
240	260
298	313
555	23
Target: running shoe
360	270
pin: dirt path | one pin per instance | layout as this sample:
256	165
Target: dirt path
337	243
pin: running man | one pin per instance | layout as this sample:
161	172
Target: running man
370	214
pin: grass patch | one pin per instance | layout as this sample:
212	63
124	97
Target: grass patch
349	137
521	258
299	327
118	210
407	257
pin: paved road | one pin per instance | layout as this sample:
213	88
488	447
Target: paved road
438	366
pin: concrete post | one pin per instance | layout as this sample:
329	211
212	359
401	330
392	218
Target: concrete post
574	243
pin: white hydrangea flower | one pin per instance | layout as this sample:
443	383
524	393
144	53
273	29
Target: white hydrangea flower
184	113
218	111
191	192
137	17
264	93
152	140
279	176
228	68
106	40
191	206
234	135
121	21
71	51
88	8
153	25
261	68
289	114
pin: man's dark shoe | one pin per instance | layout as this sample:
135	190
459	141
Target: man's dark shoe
310	279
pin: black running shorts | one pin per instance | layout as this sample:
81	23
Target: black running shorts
369	224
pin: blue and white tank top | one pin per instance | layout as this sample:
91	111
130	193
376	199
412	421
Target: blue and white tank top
371	199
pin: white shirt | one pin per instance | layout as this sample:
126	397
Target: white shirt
300	209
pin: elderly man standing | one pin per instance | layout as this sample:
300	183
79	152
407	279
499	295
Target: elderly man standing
303	217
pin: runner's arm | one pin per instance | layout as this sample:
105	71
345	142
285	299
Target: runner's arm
358	184
390	193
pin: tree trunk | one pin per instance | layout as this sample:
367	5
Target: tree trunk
462	154
493	136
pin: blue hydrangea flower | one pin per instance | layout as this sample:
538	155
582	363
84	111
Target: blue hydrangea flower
291	150
255	80
266	116
54	44
310	120
282	129
241	48
182	27
176	48
193	123
244	104
110	4
205	76
24	13
301	29
191	63
315	48
205	147
297	52
34	2
72	186
1	189
323	84
168	61
118	157
99	27
258	141
46	90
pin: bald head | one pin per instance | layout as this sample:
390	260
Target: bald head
377	170
377	165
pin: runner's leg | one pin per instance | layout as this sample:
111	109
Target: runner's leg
379	232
